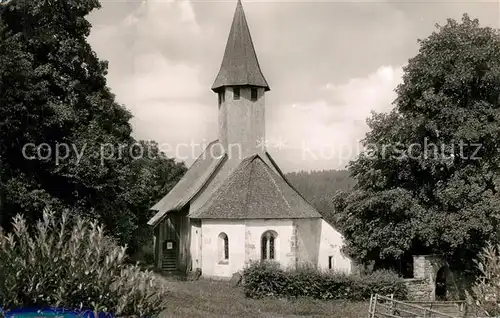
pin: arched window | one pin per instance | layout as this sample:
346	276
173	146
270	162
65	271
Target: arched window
268	245
223	247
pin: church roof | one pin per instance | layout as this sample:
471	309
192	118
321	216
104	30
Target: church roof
240	65
191	183
255	191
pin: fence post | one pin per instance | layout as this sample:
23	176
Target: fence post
370	307
374	306
392	304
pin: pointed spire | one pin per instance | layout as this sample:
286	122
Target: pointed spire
240	65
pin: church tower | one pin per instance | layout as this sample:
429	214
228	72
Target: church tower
241	87
235	206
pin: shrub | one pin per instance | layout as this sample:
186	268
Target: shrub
268	279
70	263
486	289
383	282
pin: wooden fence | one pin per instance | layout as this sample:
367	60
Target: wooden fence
387	306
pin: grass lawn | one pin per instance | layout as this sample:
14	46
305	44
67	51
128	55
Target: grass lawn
206	298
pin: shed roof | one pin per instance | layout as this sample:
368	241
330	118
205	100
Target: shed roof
191	183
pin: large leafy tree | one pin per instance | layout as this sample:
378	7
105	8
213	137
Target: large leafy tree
428	181
53	91
149	178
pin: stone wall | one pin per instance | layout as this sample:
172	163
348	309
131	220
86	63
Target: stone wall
419	289
427	266
422	287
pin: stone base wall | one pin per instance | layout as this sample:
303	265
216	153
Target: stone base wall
420	289
427	266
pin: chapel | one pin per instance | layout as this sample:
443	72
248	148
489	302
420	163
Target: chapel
234	205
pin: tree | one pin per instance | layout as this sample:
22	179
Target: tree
53	94
152	175
428	181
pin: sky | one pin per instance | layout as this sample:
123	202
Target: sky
329	65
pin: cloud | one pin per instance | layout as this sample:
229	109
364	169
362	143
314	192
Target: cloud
164	54
322	60
159	86
325	133
173	127
355	99
157	78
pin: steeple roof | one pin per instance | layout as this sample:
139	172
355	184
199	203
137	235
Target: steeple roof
240	65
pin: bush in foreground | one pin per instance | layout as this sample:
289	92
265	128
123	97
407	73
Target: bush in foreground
268	279
69	262
486	289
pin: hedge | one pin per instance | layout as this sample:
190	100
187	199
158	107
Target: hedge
268	279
